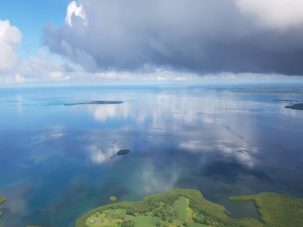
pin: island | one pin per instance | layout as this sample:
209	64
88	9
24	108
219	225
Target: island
284	100
2	200
113	198
276	209
188	207
93	103
121	152
297	106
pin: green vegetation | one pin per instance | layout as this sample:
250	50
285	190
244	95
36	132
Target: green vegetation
113	199
181	207
277	209
187	207
2	200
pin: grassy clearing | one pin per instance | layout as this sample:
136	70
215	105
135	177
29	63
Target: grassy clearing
148	221
181	207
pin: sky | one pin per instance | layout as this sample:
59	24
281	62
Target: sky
31	19
62	41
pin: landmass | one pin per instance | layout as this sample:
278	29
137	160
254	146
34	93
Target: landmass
2	200
284	100
113	198
297	106
188	207
121	153
276	209
93	103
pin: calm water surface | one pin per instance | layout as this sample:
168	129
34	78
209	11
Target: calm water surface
55	160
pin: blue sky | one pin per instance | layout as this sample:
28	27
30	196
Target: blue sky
31	16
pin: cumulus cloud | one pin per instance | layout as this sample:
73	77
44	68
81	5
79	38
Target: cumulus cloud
73	10
47	66
190	35
10	36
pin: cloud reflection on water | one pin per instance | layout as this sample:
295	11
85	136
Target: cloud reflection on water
154	180
99	155
221	142
212	118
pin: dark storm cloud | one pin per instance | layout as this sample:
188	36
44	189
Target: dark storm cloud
193	35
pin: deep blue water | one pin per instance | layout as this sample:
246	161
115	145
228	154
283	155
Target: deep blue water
55	160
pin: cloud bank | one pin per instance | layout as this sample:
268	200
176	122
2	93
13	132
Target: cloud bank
201	36
10	36
276	14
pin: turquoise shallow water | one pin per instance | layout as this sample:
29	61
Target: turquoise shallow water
56	160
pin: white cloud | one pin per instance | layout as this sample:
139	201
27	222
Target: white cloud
196	36
46	66
73	10
19	79
10	36
277	14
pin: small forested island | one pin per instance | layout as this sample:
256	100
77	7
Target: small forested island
188	207
93	103
123	152
297	106
2	200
